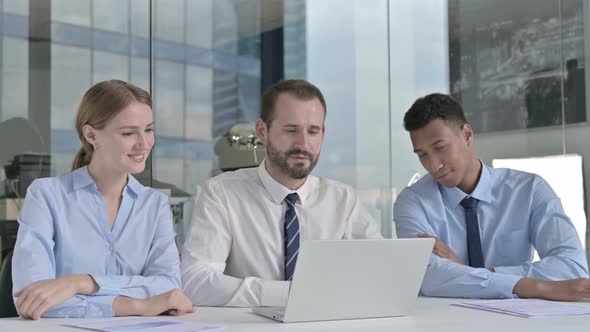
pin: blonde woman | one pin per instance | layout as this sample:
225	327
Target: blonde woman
95	242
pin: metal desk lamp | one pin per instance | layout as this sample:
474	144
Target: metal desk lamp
239	148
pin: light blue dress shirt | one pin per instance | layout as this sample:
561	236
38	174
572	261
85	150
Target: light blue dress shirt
517	213
64	229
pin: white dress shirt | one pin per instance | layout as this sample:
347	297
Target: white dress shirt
234	251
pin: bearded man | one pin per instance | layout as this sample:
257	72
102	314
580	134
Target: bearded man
248	224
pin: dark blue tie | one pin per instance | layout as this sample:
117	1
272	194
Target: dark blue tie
473	240
291	236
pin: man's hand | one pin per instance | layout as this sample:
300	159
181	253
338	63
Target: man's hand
33	300
564	290
173	302
441	249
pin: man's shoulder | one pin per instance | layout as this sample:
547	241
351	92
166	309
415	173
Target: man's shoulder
510	173
231	181
233	177
426	186
521	185
425	192
514	178
327	184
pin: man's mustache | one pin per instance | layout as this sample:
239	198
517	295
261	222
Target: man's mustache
300	152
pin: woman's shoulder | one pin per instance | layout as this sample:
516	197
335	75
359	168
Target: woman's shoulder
155	194
52	183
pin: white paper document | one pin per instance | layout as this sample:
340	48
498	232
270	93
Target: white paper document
528	308
143	324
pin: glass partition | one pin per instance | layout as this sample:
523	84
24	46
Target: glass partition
517	66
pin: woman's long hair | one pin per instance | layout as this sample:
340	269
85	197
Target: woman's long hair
100	104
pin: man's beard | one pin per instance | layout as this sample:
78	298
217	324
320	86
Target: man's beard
279	160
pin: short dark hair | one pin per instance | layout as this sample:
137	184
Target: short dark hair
431	107
300	89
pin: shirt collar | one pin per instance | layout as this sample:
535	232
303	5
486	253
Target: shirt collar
277	191
82	179
482	191
134	185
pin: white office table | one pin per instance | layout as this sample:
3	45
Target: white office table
430	314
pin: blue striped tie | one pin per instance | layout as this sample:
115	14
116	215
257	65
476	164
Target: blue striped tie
474	251
291	236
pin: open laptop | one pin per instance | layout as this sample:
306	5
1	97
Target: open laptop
350	279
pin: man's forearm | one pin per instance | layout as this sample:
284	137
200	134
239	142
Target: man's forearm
530	288
563	290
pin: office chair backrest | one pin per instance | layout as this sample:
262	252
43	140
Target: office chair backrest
19	135
7	308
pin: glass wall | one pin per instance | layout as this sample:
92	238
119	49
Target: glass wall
206	78
577	136
202	61
519	69
347	57
517	66
52	51
418	66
